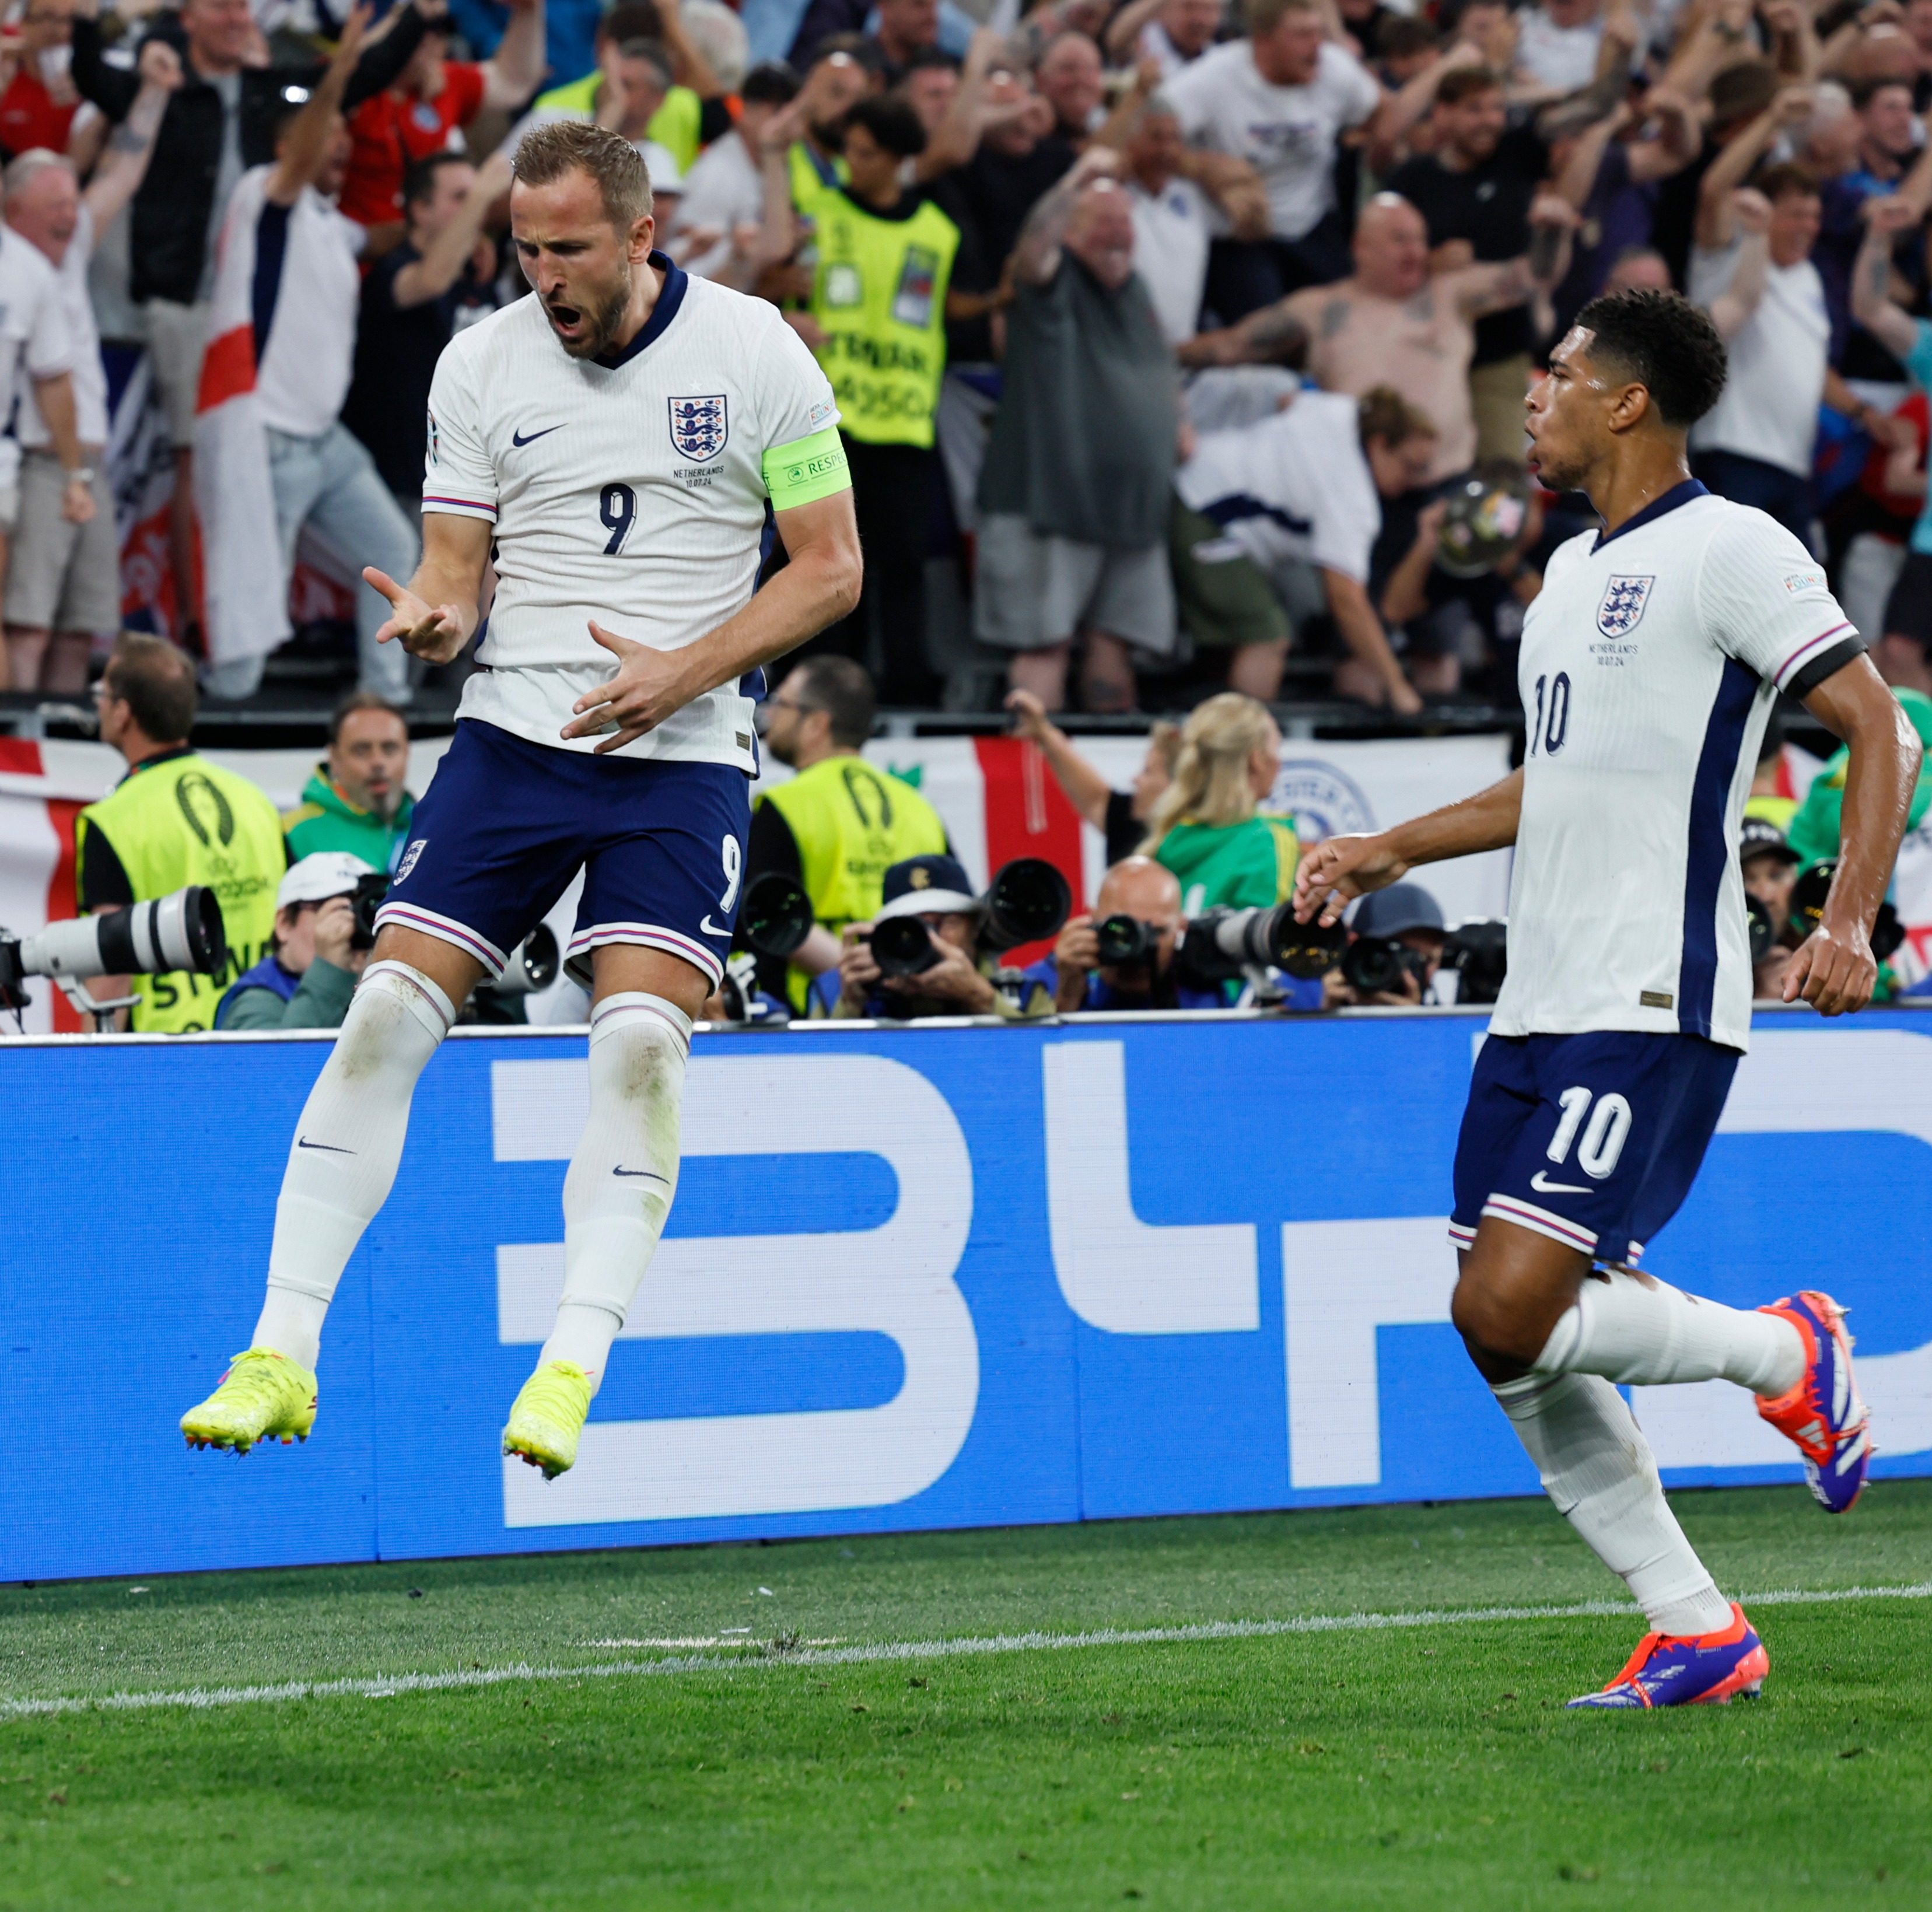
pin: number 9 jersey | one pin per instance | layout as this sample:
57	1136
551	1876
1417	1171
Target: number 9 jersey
634	490
1650	662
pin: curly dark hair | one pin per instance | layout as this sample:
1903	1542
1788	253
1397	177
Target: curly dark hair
1666	343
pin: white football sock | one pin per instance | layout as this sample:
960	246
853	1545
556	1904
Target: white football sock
1596	1465
1645	1334
342	1160
622	1177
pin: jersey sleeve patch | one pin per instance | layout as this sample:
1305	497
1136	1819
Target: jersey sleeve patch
806	470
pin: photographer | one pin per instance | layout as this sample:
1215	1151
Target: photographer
1400	932
1148	895
960	982
837	826
307	978
1770	867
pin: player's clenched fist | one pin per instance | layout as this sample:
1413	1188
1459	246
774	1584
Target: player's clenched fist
1834	970
434	633
649	685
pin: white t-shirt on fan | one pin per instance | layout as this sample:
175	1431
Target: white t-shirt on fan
722	191
632	493
1769	408
303	368
1172	229
36	341
1287	133
1297	486
89	376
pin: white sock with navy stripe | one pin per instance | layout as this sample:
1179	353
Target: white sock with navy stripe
1637	1330
1597	1466
621	1179
342	1163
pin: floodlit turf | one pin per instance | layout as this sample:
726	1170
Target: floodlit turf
1420	1766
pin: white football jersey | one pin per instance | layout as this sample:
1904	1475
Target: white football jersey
634	494
1650	661
1294	485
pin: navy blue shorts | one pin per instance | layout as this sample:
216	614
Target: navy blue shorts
1593	1140
505	824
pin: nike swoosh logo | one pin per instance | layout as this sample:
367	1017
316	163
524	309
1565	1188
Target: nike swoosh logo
327	1148
1543	1185
514	439
711	928
645	1172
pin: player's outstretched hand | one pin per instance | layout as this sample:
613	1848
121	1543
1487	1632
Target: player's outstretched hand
1340	869
436	634
1833	969
649	685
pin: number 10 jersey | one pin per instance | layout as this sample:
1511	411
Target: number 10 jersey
1650	662
632	490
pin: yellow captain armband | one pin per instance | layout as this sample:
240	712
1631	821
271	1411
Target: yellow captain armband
806	470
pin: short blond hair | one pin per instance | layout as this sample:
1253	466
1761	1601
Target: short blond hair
547	153
1263	17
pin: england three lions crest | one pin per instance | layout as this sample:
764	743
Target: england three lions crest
1623	606
699	427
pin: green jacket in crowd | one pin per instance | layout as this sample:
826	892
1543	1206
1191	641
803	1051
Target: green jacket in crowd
1244	865
326	819
1813	831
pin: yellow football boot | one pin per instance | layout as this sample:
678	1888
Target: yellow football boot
263	1396
547	1416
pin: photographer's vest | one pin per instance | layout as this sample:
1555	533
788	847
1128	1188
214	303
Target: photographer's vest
880	298
179	820
851	823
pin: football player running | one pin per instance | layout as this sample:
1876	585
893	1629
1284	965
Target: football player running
1649	663
612	444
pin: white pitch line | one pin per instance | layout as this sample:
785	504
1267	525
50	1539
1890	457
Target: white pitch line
384	1689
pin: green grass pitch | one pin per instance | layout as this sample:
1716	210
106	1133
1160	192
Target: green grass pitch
779	1756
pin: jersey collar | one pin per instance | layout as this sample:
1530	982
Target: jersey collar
669	299
1677	494
159	757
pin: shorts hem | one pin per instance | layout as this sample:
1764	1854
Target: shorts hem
1461	1235
1540	1221
646	936
446	929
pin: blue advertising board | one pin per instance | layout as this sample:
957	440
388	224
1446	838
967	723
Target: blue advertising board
914	1278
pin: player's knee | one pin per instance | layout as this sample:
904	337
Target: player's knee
1494	1331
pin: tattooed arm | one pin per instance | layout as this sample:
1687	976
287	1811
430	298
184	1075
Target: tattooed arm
1485	289
1277	335
1872	304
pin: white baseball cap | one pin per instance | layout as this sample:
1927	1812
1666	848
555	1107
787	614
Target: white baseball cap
316	879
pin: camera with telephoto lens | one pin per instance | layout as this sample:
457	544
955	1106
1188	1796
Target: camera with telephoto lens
1763	935
181	932
532	966
1124	941
1027	901
1223	944
1478	954
774	917
1375	965
365	900
1808	909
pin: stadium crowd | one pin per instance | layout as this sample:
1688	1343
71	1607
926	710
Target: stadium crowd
1177	344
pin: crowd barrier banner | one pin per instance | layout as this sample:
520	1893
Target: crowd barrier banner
914	1278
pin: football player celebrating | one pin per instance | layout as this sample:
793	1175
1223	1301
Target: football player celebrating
1649	664
612	444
